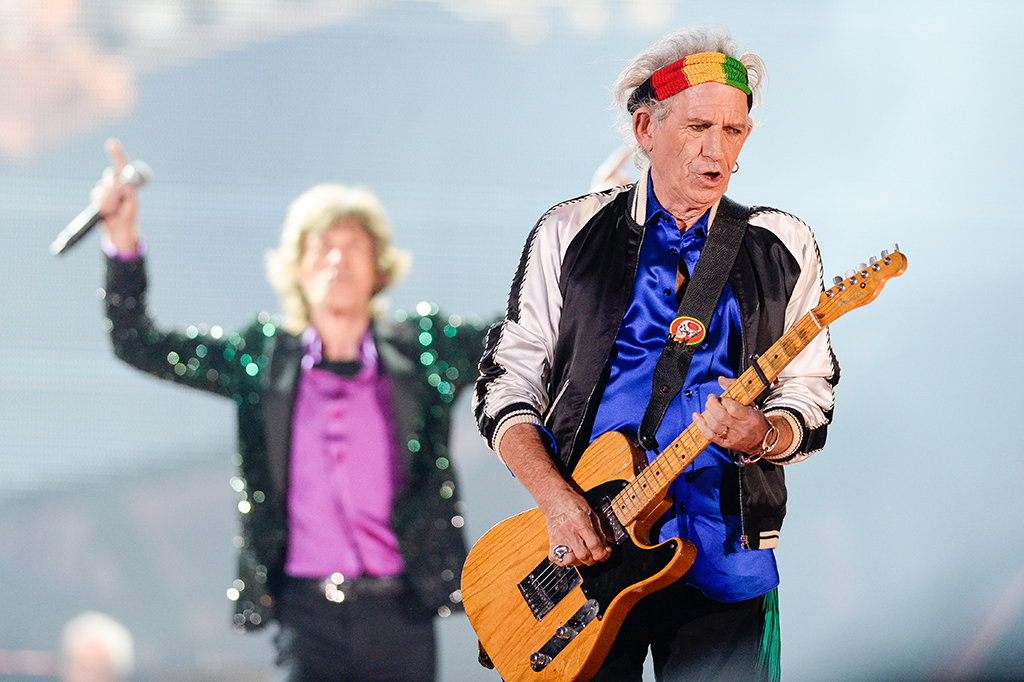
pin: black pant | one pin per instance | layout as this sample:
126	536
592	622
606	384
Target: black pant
369	637
691	637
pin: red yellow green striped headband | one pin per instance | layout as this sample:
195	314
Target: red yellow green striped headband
703	67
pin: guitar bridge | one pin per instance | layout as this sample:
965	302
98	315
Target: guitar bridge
547	585
563	635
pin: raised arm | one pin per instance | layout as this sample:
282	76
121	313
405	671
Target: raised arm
226	363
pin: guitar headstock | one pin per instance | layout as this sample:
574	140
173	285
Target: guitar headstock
861	286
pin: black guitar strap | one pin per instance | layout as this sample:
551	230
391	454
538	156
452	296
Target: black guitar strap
700	300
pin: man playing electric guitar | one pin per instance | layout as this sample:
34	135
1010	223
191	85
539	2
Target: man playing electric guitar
604	281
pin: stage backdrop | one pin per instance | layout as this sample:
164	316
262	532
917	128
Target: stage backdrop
883	122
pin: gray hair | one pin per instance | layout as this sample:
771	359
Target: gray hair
669	49
313	212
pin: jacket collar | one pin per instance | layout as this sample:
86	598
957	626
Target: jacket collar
279	398
277	402
638	202
404	385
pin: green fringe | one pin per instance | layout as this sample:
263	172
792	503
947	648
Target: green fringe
768	666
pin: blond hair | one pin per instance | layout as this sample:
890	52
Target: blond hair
313	212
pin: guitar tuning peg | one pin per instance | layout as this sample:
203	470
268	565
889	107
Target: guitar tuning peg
895	248
850	273
862	266
872	260
837	280
885	253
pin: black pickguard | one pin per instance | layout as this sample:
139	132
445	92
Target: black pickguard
629	564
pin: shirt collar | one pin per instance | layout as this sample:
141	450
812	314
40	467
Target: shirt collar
313	351
655	211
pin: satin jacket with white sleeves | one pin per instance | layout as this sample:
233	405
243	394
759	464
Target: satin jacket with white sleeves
543	364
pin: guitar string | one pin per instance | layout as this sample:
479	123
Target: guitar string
808	323
553	572
789	345
627	500
637	488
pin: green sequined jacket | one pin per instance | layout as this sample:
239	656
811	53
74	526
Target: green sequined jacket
430	359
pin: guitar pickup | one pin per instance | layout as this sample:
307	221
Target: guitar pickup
563	635
547	585
611	521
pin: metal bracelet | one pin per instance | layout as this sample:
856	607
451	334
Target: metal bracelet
768	443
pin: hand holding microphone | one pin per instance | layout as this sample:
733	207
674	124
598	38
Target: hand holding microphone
112	201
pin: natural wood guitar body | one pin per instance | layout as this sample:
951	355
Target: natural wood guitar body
508	630
546	623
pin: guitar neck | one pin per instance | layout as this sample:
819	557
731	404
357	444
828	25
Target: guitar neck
651	484
858	288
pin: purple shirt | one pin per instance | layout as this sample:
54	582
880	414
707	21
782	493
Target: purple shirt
344	470
110	250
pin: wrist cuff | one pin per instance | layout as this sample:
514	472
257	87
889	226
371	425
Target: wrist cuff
798	435
111	251
510	420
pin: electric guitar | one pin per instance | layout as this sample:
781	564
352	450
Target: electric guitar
541	622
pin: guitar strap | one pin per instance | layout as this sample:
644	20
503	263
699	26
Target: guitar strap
689	328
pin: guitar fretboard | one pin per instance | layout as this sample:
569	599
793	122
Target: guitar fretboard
652	483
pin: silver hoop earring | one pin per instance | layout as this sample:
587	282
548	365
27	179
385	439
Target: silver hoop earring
736	167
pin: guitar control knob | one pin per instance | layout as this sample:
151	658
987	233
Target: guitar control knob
564	632
539	661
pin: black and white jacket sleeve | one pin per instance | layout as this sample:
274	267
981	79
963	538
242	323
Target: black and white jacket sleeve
804	395
513	387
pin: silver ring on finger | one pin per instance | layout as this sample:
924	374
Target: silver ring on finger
560	551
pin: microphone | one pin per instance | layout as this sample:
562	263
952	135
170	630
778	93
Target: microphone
136	174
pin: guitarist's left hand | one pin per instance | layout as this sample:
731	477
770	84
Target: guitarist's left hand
732	426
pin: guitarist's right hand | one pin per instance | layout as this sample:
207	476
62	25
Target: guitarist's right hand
570	520
573	524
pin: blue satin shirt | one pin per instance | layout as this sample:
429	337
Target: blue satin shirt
722	570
